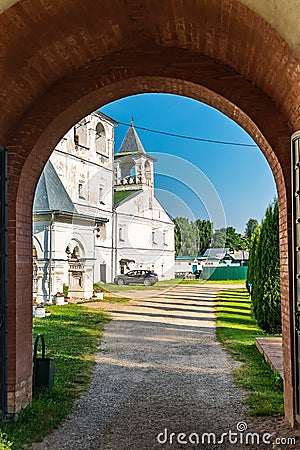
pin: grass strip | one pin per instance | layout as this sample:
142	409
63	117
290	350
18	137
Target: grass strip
72	334
237	330
105	299
162	284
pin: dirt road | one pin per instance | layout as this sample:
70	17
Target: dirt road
159	371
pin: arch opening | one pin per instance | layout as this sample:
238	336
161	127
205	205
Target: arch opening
250	76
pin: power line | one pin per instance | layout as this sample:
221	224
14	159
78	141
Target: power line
191	138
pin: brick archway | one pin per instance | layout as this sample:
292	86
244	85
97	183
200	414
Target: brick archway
222	54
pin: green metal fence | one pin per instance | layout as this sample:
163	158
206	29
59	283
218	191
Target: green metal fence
224	273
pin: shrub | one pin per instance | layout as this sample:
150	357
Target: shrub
5	444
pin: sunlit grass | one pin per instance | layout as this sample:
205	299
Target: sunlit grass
163	284
237	330
72	334
106	299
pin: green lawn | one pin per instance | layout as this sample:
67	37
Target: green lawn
72	334
106	299
162	284
237	330
227	282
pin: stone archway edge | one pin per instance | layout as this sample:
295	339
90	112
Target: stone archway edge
61	61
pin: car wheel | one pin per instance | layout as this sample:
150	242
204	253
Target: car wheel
147	282
121	282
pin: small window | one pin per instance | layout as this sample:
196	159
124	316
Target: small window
153	237
101	231
131	273
101	196
165	238
80	190
121	236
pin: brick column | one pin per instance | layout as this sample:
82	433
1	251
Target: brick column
19	300
285	232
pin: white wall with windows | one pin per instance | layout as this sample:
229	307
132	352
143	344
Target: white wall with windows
137	229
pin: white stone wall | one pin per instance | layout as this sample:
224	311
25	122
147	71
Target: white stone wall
145	234
85	170
92	168
58	237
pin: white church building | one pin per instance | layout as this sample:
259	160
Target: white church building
95	214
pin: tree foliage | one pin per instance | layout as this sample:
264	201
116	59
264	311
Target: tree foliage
192	237
228	238
264	272
185	236
251	225
205	231
177	236
234	240
195	237
219	238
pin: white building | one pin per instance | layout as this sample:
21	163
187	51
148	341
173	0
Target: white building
95	214
144	233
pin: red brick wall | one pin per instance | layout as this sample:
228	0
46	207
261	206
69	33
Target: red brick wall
63	60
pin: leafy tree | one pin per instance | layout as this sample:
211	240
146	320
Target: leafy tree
250	228
185	236
205	231
219	238
234	240
264	272
177	236
228	237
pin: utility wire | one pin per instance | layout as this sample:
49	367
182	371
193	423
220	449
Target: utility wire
191	138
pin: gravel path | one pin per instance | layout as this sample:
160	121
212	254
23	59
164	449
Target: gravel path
159	371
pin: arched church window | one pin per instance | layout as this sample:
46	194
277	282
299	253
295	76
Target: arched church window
80	134
148	175
68	251
100	139
75	253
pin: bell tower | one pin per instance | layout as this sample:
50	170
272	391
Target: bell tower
133	167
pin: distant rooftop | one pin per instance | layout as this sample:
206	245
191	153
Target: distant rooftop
216	252
239	255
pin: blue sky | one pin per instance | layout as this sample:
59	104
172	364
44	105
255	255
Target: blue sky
212	177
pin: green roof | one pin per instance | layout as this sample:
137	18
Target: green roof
118	155
185	257
119	196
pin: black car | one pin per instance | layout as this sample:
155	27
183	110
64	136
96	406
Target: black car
145	277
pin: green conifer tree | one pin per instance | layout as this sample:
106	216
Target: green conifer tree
264	272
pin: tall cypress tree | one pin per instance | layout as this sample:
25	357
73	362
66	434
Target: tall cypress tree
264	272
252	262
